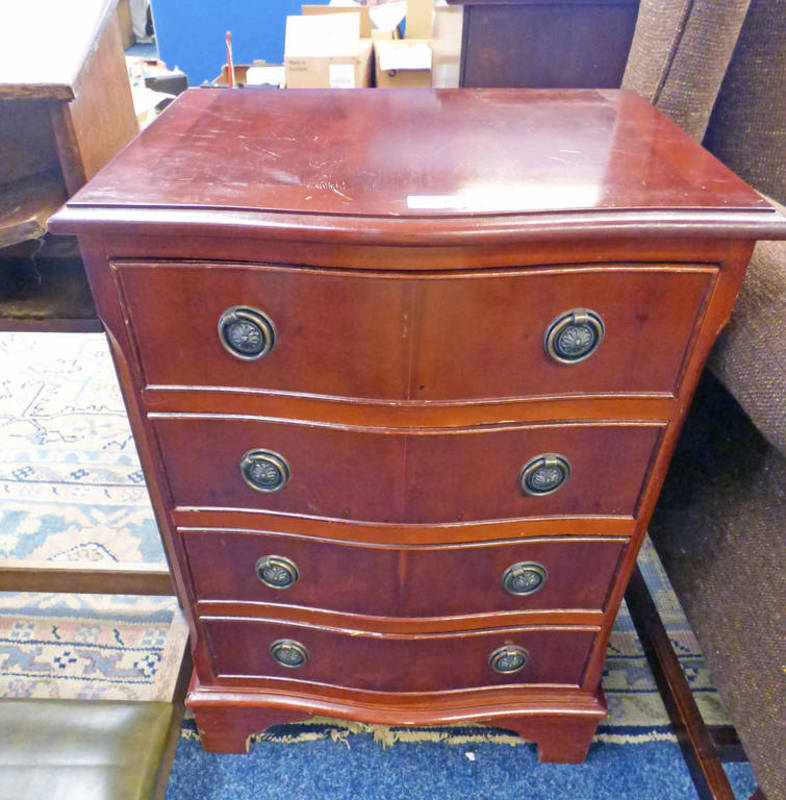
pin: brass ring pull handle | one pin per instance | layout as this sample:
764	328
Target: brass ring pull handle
523	578
544	474
508	659
246	333
264	470
289	653
277	572
574	336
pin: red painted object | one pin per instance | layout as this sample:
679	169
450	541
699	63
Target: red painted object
387	353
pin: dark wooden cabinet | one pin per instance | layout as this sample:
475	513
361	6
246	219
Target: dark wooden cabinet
405	370
545	43
65	109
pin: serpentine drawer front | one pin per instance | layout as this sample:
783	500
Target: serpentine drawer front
397	663
422	476
382	336
424	581
405	370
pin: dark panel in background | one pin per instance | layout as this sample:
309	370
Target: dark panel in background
546	43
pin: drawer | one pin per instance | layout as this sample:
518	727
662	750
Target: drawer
424	581
425	337
403	475
396	663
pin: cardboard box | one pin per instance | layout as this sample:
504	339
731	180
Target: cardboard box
365	19
403	63
446	46
326	51
258	73
420	19
240	74
384	36
266	75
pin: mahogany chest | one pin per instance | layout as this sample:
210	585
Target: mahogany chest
405	370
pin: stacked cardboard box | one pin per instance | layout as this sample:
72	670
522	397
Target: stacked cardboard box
334	47
406	63
326	51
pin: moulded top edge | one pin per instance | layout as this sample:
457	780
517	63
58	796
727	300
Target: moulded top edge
416	155
764	223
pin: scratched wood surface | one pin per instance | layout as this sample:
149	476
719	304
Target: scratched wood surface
409	247
417	154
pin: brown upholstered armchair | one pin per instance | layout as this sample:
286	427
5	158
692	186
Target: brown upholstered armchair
719	70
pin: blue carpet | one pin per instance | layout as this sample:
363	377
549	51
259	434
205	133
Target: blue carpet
143	50
356	767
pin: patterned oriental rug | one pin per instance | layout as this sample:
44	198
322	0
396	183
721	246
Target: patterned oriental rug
71	489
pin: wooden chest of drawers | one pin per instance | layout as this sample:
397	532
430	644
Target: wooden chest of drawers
405	371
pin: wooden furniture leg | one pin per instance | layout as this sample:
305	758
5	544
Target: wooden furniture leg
228	729
559	741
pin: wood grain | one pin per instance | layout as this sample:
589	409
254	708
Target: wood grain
416	156
401	476
396	662
380	336
26	205
120	578
561	721
410	248
512	43
419	581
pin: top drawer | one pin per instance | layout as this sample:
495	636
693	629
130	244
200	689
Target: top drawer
418	337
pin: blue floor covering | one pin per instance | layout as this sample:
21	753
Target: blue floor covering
143	50
360	769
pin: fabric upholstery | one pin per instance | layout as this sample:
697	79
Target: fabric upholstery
679	56
747	130
90	750
750	354
720	68
719	529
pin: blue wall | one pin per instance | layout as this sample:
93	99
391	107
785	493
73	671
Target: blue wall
190	33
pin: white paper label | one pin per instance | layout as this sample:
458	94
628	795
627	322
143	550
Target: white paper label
453	202
401	54
342	76
270	75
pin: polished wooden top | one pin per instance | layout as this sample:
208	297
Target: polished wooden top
474	159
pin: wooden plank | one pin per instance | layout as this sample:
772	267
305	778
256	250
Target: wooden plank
44	45
178	710
101	117
52	325
67	144
76	578
26	205
697	747
27	143
48	295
